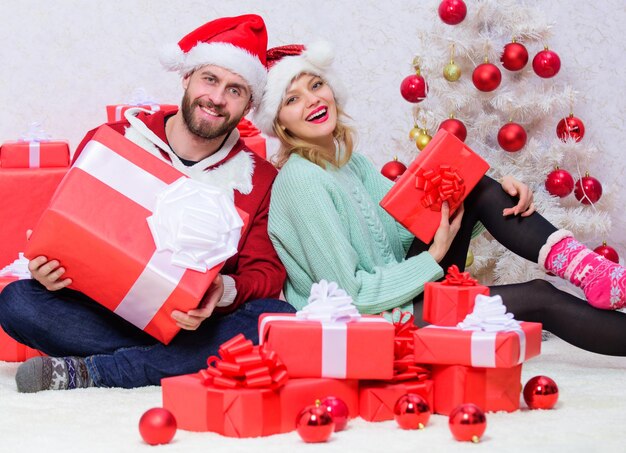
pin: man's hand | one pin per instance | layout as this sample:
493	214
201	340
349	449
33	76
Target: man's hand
48	273
515	188
193	318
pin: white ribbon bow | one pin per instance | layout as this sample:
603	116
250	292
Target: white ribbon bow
489	315
197	222
35	133
328	303
18	268
141	97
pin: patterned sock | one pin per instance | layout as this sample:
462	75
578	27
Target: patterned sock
603	281
52	373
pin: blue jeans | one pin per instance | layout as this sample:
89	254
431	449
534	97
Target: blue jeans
118	354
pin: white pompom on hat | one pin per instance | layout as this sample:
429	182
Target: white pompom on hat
285	64
235	43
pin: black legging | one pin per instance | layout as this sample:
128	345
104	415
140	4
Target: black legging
565	315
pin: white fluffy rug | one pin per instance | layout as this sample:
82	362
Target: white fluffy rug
589	416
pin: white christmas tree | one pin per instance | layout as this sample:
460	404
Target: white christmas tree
537	104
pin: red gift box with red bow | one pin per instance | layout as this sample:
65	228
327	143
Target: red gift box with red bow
446	170
447	303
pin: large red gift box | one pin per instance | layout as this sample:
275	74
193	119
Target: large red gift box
25	193
447	303
252	137
115	112
11	350
492	389
360	349
248	412
377	399
96	227
447	169
34	154
454	346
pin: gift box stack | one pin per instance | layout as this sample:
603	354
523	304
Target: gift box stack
31	168
326	349
475	348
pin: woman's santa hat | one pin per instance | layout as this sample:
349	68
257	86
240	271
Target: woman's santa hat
237	43
286	63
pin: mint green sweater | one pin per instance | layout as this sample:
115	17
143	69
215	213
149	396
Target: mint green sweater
327	224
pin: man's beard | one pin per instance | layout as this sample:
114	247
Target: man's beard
204	129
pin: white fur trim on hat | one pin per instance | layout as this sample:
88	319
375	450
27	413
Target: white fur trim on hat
221	54
317	59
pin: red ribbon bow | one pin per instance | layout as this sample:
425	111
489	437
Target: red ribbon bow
455	277
247	129
404	367
439	185
243	365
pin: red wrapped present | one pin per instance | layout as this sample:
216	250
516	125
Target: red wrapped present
11	350
492	389
252	137
446	170
34	149
489	342
139	99
113	224
25	193
377	399
447	303
246	393
328	338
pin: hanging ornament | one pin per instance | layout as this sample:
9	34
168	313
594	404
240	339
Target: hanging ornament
414	88
393	169
338	410
469	260
570	127
452	71
157	426
514	56
411	411
541	392
467	422
486	76
559	183
422	139
546	63
314	423
511	137
608	252
588	189
455	127
414	132
452	12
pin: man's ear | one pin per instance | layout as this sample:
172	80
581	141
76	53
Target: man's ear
248	107
185	80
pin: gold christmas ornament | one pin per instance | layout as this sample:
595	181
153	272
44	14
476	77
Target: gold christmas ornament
452	71
422	139
413	133
470	259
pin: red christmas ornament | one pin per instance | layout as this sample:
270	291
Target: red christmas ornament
452	12
546	63
588	189
570	127
338	410
514	56
559	183
467	422
455	127
414	88
314	423
411	411
607	251
393	169
486	77
511	137
541	392
157	426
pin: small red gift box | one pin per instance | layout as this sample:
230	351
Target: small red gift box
360	349
96	226
115	112
34	154
492	389
252	137
453	346
447	303
25	193
446	170
11	350
377	399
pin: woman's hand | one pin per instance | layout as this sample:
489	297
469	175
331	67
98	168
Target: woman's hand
515	188
446	232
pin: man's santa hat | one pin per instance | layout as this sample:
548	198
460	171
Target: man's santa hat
286	63
237	43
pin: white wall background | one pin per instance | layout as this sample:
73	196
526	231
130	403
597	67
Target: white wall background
64	60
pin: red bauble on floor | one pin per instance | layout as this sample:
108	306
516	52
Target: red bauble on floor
314	424
338	410
541	392
411	411
467	422
157	426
